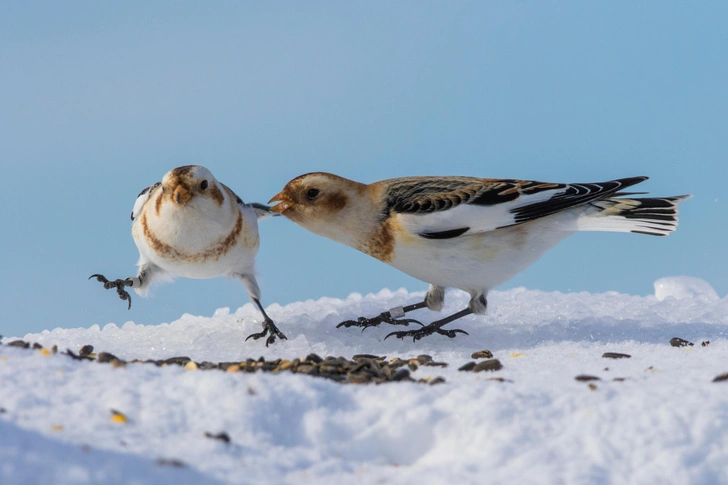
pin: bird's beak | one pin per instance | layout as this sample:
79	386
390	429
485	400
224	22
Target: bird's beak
181	195
284	203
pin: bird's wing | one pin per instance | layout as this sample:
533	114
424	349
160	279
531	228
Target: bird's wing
262	211
142	199
447	207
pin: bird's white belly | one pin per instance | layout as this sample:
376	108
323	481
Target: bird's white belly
199	251
476	262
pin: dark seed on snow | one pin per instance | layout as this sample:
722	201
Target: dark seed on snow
488	365
705	343
177	361
435	364
219	436
37	346
592	386
619	379
678	342
367	356
722	377
105	357
483	354
424	358
19	343
585	378
615	355
467	367
86	350
401	374
314	358
170	462
437	380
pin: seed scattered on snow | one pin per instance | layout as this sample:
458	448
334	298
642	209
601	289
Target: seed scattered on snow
615	355
585	378
722	377
482	354
515	355
467	367
118	417
191	365
223	436
592	386
678	342
19	343
86	351
56	427
705	343
170	462
45	352
488	365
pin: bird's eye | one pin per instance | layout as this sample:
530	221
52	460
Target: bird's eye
312	193
203	185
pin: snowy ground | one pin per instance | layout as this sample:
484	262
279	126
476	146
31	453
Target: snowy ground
666	422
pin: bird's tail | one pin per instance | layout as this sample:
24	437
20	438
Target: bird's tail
651	216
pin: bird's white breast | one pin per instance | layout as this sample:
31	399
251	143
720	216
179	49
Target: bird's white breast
200	239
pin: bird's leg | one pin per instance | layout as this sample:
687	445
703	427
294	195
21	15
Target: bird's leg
268	326
119	284
434	327
393	317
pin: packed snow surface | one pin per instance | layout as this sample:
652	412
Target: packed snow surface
663	420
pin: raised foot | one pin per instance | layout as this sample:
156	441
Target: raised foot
426	331
120	286
268	326
384	317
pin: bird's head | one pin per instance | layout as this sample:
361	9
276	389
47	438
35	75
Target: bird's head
184	184
323	203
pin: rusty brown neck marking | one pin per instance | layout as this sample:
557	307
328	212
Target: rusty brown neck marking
214	251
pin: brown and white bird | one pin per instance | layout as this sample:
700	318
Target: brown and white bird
193	226
463	232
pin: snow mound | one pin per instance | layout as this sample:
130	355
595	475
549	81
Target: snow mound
653	417
680	287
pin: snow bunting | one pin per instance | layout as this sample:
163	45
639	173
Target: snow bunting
193	226
463	232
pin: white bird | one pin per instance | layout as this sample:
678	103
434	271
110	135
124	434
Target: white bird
463	232
193	226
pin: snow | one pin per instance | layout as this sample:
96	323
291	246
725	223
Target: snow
667	422
684	287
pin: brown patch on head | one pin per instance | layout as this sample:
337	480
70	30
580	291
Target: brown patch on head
213	251
380	244
216	194
334	201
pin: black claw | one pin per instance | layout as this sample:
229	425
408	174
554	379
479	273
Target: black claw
274	332
384	317
425	332
119	285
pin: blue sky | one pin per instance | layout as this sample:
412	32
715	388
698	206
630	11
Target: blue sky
100	99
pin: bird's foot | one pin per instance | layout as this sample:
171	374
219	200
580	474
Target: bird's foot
268	326
384	317
120	286
426	331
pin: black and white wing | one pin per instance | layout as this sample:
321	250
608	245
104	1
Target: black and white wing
142	199
262	211
447	207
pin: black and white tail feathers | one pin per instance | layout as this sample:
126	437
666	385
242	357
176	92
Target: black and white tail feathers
652	216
